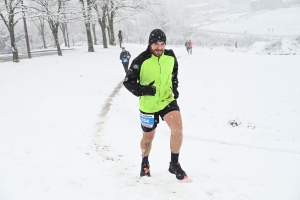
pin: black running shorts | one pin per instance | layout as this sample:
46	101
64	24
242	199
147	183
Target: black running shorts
171	107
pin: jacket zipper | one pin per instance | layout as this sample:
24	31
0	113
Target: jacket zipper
159	75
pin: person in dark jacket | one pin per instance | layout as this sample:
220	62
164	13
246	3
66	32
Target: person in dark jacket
120	38
125	57
187	46
152	77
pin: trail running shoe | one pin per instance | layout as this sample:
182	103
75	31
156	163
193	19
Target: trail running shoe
145	170
177	170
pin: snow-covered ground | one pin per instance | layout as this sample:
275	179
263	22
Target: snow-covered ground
70	130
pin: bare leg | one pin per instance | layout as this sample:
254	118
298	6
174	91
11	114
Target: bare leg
174	121
146	142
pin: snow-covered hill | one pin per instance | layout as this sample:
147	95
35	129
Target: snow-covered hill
268	32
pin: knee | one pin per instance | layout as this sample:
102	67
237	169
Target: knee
148	137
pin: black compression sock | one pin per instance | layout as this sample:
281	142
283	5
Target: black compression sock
174	158
145	160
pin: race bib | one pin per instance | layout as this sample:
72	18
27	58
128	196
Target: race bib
147	120
125	60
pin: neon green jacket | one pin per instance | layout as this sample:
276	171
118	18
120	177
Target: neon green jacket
147	68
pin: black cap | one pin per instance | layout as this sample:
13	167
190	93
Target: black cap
157	35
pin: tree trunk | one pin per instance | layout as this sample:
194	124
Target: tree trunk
108	33
67	32
87	16
63	30
54	26
88	27
26	34
112	33
54	44
102	23
103	34
89	37
44	40
110	17
94	33
43	32
55	35
13	45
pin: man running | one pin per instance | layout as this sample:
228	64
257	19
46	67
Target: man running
152	77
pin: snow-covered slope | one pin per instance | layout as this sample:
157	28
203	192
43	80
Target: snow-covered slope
69	130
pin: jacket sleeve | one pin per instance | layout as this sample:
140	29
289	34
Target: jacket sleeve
129	55
175	78
132	78
175	75
175	71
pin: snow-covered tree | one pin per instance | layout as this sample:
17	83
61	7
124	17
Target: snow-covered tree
64	30
10	15
54	12
4	39
120	10
39	22
86	12
101	9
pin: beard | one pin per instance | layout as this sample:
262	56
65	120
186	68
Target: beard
157	52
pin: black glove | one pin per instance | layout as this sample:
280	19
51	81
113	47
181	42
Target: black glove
176	93
149	90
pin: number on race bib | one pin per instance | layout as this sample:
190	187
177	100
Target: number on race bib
147	120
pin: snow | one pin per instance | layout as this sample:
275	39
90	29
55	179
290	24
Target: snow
230	16
285	46
70	130
280	22
198	5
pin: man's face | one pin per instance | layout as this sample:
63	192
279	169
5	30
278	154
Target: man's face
158	48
